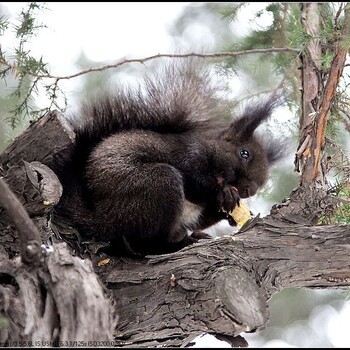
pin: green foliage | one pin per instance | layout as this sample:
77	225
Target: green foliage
27	26
21	68
326	60
284	30
338	167
342	214
337	154
4	24
3	322
230	11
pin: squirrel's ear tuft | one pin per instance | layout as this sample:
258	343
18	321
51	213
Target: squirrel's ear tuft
277	149
255	113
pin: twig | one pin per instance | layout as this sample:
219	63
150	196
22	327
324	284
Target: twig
340	9
149	58
191	54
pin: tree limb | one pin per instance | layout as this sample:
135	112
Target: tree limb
29	236
221	286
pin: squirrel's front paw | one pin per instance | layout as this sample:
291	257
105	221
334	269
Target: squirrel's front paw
228	198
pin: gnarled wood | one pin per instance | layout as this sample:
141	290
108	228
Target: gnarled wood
45	141
222	286
59	303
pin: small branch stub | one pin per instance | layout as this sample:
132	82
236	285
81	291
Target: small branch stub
29	236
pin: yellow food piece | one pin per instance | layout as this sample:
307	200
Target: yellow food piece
103	262
241	214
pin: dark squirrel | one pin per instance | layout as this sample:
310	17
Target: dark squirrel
149	164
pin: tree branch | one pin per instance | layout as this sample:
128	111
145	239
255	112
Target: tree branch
207	287
149	58
29	236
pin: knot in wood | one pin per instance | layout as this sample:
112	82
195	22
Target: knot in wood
242	300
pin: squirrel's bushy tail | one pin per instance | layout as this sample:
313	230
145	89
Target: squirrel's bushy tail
180	97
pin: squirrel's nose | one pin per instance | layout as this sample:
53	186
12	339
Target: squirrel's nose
248	190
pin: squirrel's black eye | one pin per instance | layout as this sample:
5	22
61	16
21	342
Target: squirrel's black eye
244	154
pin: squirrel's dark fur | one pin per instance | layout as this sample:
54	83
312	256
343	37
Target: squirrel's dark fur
152	163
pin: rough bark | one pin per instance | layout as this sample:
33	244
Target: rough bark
59	303
314	197
318	91
45	140
222	286
59	300
217	286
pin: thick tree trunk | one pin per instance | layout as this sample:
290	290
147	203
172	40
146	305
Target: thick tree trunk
217	286
314	197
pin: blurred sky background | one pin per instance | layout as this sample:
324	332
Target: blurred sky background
109	31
